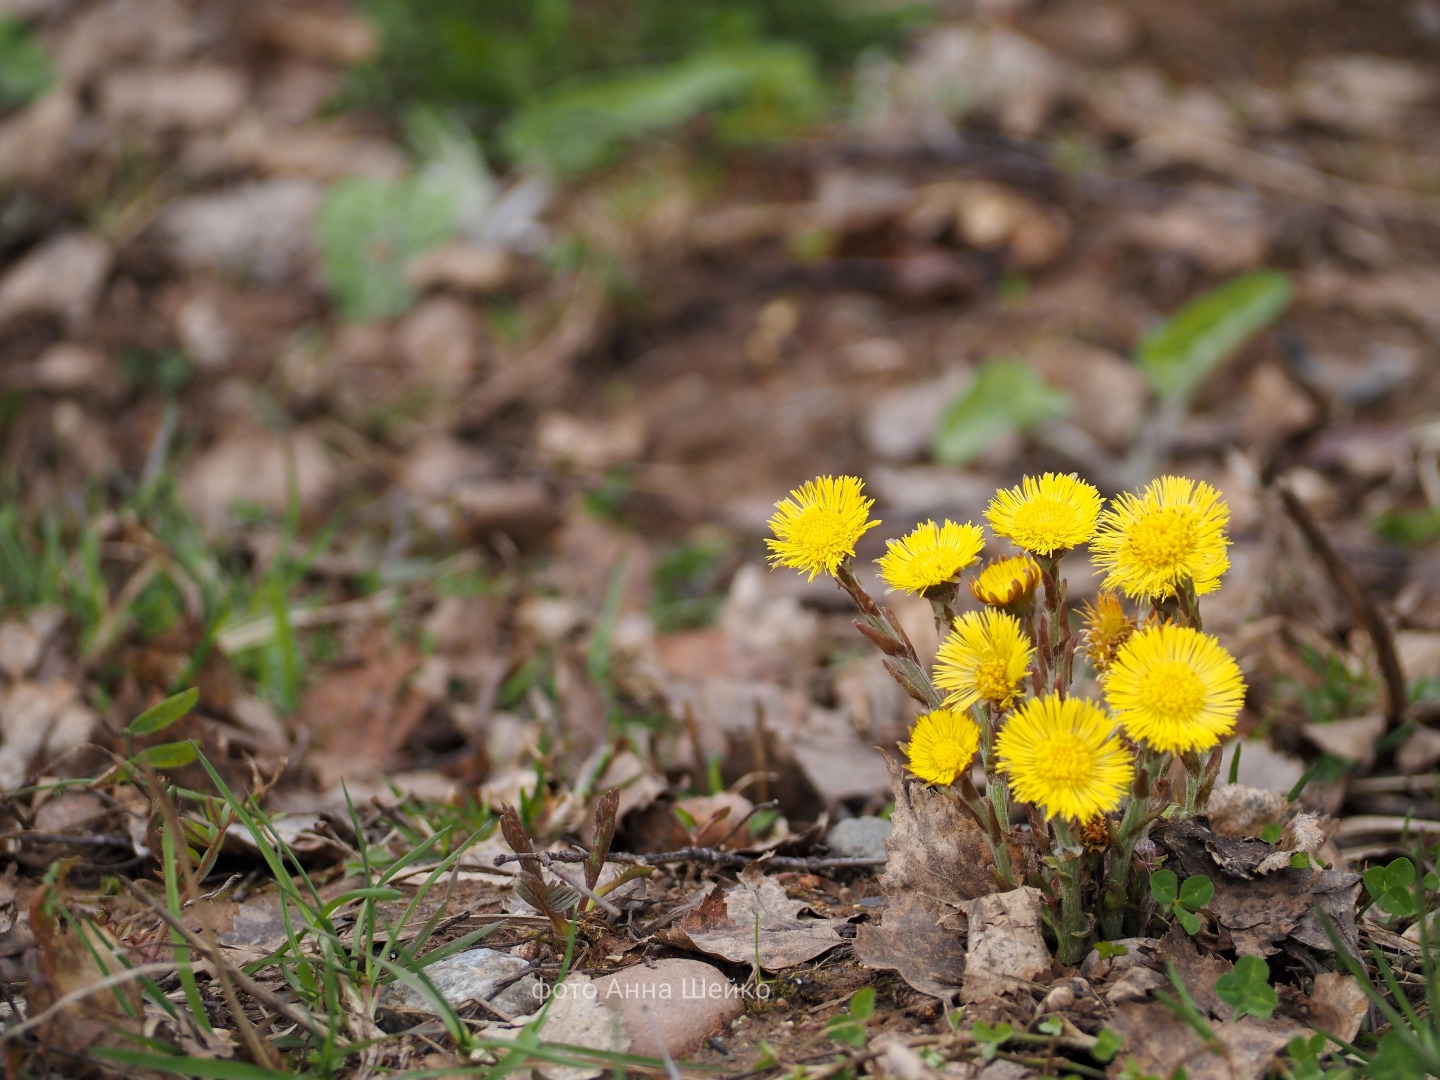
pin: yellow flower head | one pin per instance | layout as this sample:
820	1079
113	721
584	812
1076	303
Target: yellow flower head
942	746
1044	516
817	527
983	660
1006	581
930	555
1175	689
1107	627
1153	543
1064	756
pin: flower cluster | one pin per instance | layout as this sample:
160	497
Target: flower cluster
998	706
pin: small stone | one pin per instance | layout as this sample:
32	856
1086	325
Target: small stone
68	366
675	1004
859	838
897	427
191	98
472	976
258	230
61	278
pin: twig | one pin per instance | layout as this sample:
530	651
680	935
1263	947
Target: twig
1362	607
729	860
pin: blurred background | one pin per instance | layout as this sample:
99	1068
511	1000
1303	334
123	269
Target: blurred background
416	376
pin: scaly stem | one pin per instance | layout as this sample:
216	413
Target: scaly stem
882	629
1073	929
983	811
1056	645
1115	898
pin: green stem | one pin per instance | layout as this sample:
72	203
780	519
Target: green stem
983	811
1115	898
1073	929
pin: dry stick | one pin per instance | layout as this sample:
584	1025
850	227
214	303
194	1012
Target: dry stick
1362	607
292	1013
726	859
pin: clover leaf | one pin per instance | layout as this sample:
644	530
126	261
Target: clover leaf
1108	1042
849	1028
1182	899
991	1038
1392	887
1247	989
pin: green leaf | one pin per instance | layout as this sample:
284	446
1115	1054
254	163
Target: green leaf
1163	887
1272	831
991	1038
1375	883
1189	920
1197	339
170	755
1051	1025
1006	396
1247	989
579	125
368	231
862	1005
166	713
1400	874
1197	891
1108	1042
1108	950
1397	902
1396	1059
25	70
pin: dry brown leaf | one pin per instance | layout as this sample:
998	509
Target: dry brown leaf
1005	948
1337	1005
1160	1042
1260	911
937	860
1197	972
910	941
1239	810
755	922
68	959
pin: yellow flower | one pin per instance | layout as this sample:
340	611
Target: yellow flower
983	660
1175	689
1006	581
1064	756
817	527
1044	516
942	746
1153	543
930	555
1107	627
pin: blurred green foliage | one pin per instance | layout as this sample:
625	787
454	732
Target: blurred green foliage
627	66
25	70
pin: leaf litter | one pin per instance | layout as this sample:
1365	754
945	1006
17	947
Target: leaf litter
390	675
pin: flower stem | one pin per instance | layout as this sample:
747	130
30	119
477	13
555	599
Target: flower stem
1073	929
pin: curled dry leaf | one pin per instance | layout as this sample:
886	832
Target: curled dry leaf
1260	908
70	958
1160	1042
1006	949
937	860
755	922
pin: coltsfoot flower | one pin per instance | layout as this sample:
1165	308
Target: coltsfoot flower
983	660
1053	513
1006	581
1107	627
1173	532
1175	689
930	555
1064	756
817	526
942	746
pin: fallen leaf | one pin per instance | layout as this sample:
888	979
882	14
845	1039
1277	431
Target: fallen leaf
70	959
1239	810
910	941
756	923
1005	948
1159	1042
936	860
1337	1005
